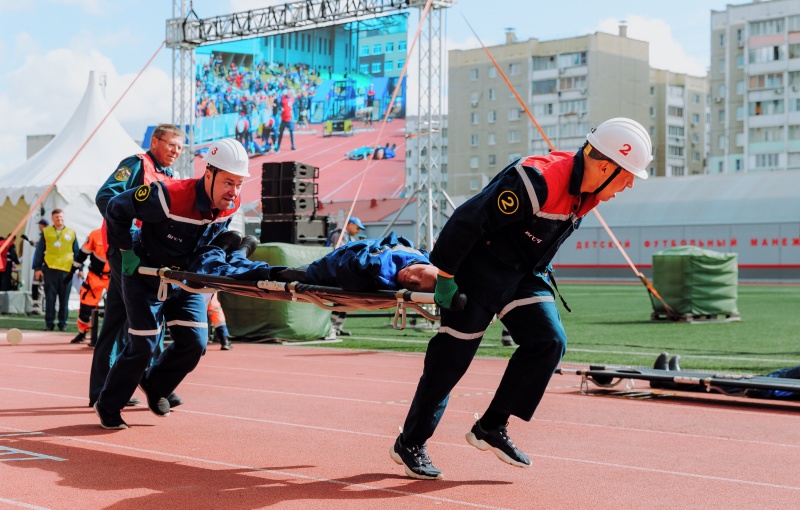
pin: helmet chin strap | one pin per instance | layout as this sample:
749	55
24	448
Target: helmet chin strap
608	181
213	180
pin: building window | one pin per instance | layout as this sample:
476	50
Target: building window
740	87
365	51
675	151
542	63
766	27
401	62
401	46
492	160
768	134
388	65
543	87
722	40
572	59
676	170
473	183
513	136
473	97
492	116
696	157
767	54
514	157
652	91
376	49
696	118
514	69
474	117
675	111
473	162
376	67
766	81
473	75
740	61
772	107
696	98
492	94
767	160
740	113
389	47
363	68
513	114
491	139
492	73
473	140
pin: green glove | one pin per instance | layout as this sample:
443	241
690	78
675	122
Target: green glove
130	262
446	288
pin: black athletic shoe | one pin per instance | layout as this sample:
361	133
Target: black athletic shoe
675	363
109	421
133	402
174	400
157	404
500	444
415	459
80	337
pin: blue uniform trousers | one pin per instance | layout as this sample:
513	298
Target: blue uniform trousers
56	287
113	333
183	312
532	319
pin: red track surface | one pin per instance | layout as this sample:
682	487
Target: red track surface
284	427
338	177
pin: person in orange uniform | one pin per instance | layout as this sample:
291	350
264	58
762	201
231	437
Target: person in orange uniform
96	282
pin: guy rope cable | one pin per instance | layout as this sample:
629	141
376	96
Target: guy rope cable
80	149
649	286
385	118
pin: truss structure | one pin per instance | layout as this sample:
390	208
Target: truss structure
186	31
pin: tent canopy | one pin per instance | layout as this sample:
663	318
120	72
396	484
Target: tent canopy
22	186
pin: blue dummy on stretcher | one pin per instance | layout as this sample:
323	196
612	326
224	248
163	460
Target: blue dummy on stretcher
386	263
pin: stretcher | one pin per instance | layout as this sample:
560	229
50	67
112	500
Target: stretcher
720	382
329	298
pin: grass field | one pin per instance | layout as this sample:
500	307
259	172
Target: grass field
610	324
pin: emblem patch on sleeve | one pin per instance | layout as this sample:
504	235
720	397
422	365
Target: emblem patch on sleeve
141	193
507	202
122	173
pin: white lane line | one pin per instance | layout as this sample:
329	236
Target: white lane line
20	504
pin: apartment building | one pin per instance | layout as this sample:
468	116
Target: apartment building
569	85
755	87
677	123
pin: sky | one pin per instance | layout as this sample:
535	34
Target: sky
48	48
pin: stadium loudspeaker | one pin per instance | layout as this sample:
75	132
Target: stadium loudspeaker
288	170
307	230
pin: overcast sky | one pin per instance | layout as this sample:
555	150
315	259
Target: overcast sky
48	48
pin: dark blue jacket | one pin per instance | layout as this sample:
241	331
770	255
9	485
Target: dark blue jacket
176	220
514	226
128	175
370	264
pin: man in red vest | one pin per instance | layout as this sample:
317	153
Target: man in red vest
166	145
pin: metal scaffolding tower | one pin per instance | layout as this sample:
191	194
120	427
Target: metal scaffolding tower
185	31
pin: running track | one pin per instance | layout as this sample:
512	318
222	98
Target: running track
289	427
339	177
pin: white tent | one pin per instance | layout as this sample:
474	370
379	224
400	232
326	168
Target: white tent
74	192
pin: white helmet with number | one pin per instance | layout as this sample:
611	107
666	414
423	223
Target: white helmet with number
625	142
229	155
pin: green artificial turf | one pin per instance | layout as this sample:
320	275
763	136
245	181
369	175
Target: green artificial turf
610	325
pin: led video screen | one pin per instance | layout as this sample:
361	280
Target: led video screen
323	82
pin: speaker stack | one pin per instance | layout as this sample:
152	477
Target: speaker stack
289	204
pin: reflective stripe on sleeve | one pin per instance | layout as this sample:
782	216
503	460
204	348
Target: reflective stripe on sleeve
145	332
529	188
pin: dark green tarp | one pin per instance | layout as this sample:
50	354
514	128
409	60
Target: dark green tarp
696	281
255	319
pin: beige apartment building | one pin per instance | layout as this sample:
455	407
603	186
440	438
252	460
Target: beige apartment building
677	123
755	87
569	85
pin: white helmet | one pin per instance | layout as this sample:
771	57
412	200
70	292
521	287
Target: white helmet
625	142
229	155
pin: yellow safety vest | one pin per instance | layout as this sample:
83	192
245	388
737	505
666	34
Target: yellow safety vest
58	247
